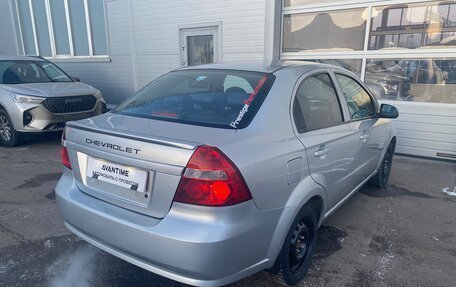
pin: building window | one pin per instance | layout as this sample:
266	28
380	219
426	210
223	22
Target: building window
62	28
341	30
421	80
413	26
352	65
406	54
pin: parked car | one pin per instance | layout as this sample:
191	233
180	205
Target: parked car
392	87
212	173
37	96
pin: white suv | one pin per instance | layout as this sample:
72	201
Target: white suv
37	96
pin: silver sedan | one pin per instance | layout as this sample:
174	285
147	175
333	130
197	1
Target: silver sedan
213	173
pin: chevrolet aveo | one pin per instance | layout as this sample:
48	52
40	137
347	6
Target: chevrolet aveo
213	173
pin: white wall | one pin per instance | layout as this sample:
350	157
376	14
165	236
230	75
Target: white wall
156	31
425	129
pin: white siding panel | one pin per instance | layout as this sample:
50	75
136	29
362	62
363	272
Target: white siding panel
429	144
416	108
425	119
156	31
425	129
432	136
422	151
243	57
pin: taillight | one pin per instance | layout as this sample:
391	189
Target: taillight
211	179
64	152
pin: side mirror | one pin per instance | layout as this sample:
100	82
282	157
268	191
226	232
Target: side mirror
76	78
388	112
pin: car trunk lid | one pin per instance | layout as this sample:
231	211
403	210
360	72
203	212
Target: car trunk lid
153	153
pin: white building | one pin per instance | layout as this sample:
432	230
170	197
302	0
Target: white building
404	50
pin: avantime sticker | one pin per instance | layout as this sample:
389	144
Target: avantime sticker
247	103
111	173
131	178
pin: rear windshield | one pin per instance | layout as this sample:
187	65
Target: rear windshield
217	98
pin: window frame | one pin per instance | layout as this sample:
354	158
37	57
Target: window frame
342	104
63	57
374	102
293	11
366	53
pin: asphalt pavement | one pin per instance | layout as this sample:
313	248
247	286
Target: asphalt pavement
404	235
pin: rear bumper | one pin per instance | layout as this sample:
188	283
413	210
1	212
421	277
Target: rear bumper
195	245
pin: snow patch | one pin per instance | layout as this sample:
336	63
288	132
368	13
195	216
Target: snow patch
447	191
48	243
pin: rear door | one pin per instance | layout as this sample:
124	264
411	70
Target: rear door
371	130
330	144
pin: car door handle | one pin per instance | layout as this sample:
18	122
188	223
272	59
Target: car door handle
364	137
321	152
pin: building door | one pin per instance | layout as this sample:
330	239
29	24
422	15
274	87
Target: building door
199	46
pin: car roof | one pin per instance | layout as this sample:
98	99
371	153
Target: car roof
20	58
256	66
260	66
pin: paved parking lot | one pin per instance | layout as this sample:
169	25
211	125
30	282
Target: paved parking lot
402	236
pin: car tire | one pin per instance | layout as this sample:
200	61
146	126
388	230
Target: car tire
296	255
380	179
9	137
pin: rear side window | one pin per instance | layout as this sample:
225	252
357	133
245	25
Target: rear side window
360	104
217	98
316	104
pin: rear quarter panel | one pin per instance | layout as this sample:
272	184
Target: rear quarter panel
270	156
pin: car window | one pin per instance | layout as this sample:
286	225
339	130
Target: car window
219	98
54	73
359	102
24	71
316	104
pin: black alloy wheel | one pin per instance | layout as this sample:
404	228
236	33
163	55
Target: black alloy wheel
5	128
9	137
387	162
